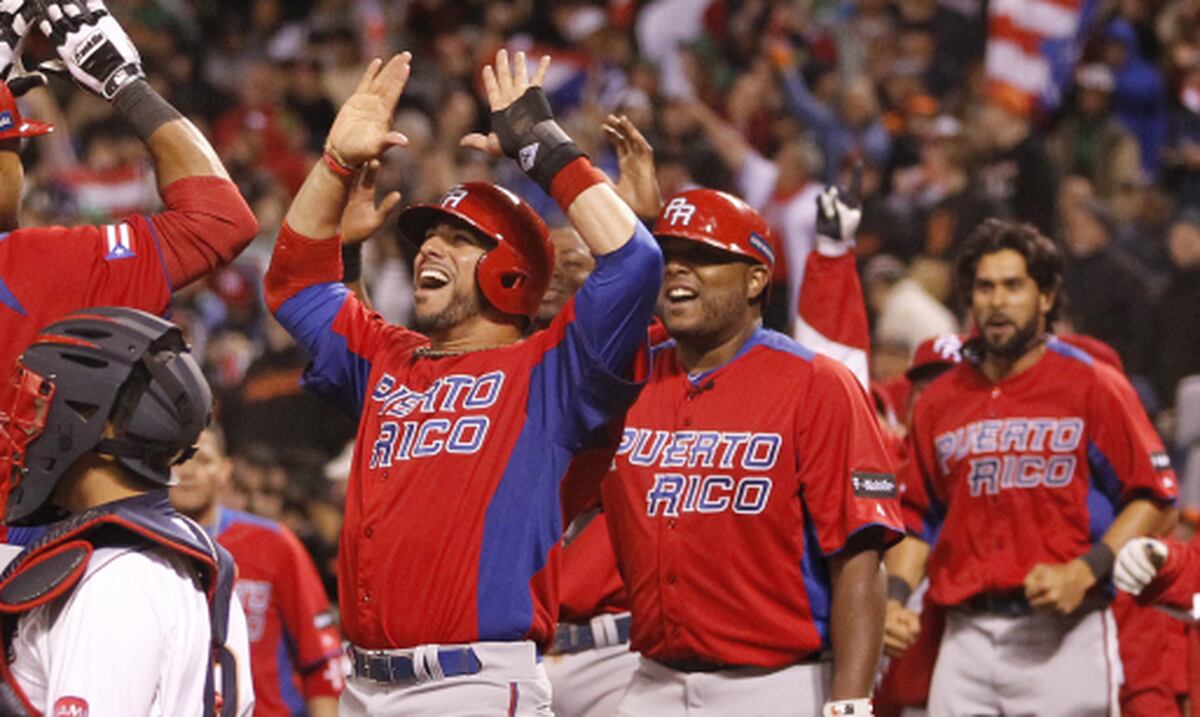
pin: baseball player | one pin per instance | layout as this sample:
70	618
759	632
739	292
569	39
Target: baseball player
134	262
295	649
748	531
124	607
1030	464
447	567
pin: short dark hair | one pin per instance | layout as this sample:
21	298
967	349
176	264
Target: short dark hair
1043	260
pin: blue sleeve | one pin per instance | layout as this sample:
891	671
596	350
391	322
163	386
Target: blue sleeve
614	307
814	113
337	373
581	383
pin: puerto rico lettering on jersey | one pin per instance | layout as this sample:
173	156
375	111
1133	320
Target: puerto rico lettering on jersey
674	492
1035	452
403	440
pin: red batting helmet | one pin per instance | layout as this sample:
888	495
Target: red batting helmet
12	125
719	220
514	274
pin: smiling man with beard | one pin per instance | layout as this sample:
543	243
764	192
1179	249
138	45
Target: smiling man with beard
1030	464
751	498
447	566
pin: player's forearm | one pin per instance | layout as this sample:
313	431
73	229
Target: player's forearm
906	560
179	150
316	212
1139	517
857	620
603	221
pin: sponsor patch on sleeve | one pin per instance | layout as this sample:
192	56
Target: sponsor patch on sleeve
70	707
874	485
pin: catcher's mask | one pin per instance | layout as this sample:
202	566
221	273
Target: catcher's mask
114	381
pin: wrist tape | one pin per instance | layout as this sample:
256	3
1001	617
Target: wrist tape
1099	560
898	589
529	134
351	263
143	108
848	708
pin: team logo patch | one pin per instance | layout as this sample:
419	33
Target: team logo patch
758	242
528	155
454	197
119	242
70	707
874	485
6	121
679	211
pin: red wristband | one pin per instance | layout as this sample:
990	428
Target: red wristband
337	167
572	179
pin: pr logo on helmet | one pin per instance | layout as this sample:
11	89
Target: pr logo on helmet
70	707
454	197
949	347
679	211
528	155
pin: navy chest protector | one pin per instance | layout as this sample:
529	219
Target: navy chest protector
52	566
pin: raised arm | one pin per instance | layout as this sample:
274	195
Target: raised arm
208	222
616	302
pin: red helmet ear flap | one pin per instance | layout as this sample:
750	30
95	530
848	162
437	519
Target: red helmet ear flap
505	278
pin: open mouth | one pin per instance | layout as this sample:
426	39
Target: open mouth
432	279
680	295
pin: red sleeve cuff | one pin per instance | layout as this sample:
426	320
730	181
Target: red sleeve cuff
299	262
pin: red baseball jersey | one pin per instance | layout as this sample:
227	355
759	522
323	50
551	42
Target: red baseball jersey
732	490
295	649
453	508
1032	469
48	272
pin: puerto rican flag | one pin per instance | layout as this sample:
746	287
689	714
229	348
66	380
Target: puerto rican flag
1033	45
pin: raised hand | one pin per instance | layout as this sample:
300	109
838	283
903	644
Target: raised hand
363	130
504	85
90	43
638	183
362	217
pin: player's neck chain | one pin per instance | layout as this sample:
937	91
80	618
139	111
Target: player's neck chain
429	352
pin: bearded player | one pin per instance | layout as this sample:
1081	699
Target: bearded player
47	272
1030	464
447	567
752	496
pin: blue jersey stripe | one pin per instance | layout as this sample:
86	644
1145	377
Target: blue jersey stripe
523	523
162	259
288	678
1104	492
816	579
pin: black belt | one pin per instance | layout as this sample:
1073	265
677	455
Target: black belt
698	665
396	667
1013	603
571	638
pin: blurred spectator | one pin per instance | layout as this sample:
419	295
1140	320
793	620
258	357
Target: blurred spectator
1107	295
905	314
852	132
1090	142
1017	173
1139	97
1181	156
1176	340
